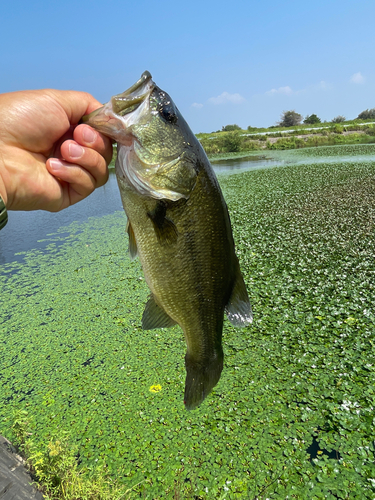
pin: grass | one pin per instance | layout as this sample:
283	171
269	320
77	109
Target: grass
356	124
55	467
235	142
301	136
292	416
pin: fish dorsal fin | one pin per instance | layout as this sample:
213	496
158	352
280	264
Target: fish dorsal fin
154	316
133	251
165	229
238	308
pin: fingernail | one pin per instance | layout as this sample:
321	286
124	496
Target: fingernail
75	151
88	134
55	164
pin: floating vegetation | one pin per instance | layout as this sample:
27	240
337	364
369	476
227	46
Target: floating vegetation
293	415
341	150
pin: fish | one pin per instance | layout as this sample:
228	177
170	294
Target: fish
178	225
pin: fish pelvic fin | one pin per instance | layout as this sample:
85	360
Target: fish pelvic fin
154	316
238	308
165	230
201	378
133	251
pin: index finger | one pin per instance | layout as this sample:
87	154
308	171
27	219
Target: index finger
76	103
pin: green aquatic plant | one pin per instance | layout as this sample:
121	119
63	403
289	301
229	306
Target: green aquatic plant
293	414
54	466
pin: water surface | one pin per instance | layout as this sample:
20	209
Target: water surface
36	229
257	162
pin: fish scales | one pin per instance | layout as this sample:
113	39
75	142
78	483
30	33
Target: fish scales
179	226
202	260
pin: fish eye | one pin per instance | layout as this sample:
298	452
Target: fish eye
165	105
167	111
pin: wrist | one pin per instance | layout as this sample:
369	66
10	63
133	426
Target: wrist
3	214
3	200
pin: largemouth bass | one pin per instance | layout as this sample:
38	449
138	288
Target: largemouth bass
178	225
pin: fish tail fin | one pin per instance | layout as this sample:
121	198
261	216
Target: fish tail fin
201	378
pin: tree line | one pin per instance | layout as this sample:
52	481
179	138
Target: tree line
291	119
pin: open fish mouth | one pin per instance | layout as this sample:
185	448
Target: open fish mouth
129	100
121	105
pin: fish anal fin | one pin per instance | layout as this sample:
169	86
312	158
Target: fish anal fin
201	378
133	251
154	316
165	230
238	308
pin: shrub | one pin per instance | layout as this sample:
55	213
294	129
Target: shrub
286	143
338	119
337	129
312	119
367	114
210	145
230	128
370	130
250	145
290	119
232	142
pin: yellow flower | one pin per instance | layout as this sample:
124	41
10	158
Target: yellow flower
155	388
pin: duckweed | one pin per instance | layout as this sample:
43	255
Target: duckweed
293	414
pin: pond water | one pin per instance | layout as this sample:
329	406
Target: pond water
25	230
257	162
32	230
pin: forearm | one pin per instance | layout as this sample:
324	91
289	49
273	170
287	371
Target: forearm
3	198
3	192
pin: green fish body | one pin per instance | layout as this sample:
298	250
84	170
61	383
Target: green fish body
178	225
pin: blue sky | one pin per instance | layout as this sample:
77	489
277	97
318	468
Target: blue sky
238	62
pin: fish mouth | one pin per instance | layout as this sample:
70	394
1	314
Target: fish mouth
129	100
103	119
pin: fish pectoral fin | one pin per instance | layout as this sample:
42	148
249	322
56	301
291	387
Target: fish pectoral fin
133	251
166	233
165	230
238	308
154	316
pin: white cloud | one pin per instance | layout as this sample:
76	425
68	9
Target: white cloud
357	78
322	85
226	97
281	90
197	105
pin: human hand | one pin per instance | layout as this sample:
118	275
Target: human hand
47	162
